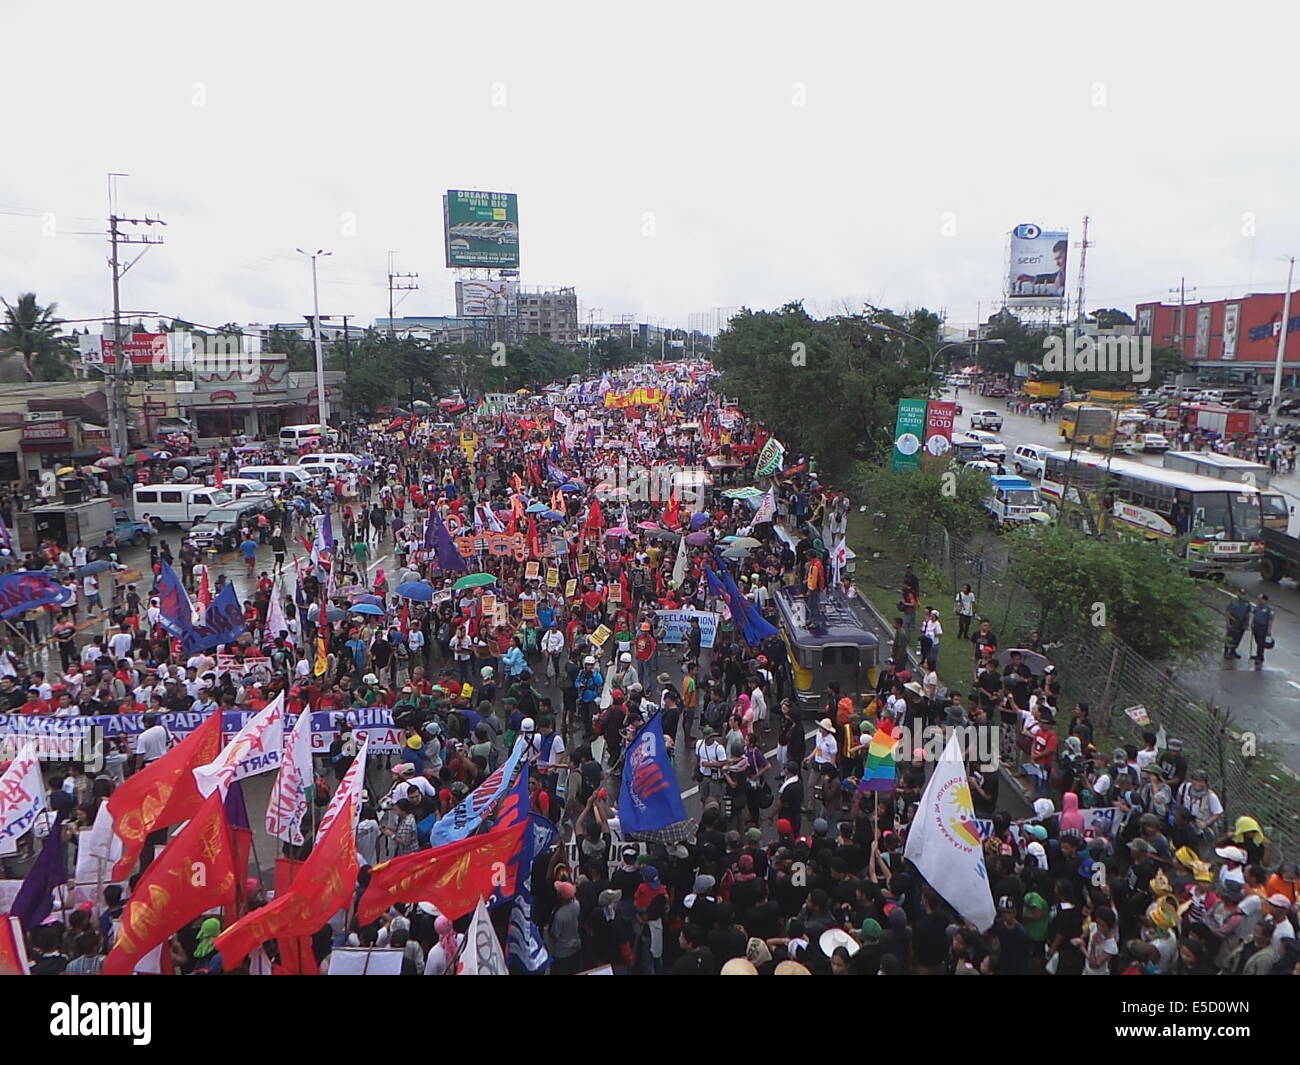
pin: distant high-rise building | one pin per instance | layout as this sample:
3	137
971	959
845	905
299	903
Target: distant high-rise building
550	313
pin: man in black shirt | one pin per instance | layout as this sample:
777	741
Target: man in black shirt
1013	941
696	959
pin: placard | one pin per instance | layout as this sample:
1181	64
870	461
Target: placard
503	614
529	609
532	571
571	588
489	604
363	961
614	593
601	634
552	577
584	561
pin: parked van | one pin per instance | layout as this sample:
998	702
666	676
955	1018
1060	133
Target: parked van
177	504
1028	460
293	437
992	447
338	458
273	475
246	486
321	471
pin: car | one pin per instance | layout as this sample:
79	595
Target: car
956	408
126	530
986	419
1154	442
990	446
219	528
997	391
1029	460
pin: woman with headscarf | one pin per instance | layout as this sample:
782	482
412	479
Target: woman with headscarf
1071	816
443	956
207	960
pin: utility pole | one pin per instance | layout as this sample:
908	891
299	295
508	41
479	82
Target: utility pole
1081	315
118	415
1182	310
397	283
1281	344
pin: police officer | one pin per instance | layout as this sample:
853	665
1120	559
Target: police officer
1239	611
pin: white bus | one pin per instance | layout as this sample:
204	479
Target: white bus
293	437
1277	513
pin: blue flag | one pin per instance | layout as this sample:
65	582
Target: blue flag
176	613
649	799
448	557
525	948
466	816
753	626
430	530
34	901
28	589
223	623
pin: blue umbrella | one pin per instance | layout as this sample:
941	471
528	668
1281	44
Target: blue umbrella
698	520
570	488
368	600
331	614
91	568
417	590
368	608
535	508
552	515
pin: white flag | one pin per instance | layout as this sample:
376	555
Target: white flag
22	797
276	622
482	955
679	567
295	786
839	558
944	844
767	508
353	785
257	748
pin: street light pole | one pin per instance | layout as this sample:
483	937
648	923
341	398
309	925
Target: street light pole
1281	346
322	404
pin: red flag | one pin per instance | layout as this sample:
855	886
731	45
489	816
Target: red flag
194	873
672	512
406	618
162	794
453	877
296	957
205	590
13	951
534	542
219	478
324	886
595	516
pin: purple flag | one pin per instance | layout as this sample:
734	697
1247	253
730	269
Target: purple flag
430	538
448	557
34	901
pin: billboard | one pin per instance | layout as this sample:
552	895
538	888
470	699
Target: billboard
143	349
481	228
908	431
1202	350
487	299
939	418
1231	322
1036	276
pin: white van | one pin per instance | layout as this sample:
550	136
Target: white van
321	471
177	504
273	475
335	458
292	437
1209	395
245	486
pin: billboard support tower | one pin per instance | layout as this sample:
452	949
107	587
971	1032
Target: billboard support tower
397	283
119	432
1081	313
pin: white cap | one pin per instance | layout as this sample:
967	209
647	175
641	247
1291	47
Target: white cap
589	661
527	725
626	656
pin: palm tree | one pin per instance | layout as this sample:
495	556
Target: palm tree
33	333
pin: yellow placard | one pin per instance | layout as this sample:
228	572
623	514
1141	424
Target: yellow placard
600	635
529	608
614	593
584	561
489	605
552	577
532	571
570	588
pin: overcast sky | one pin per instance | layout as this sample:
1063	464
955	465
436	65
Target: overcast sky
669	159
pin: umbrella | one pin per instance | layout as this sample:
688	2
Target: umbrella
733	552
332	613
64	470
663	534
648	525
108	462
570	487
91	568
417	590
536	508
698	520
473	580
697	539
93	469
618	530
744	541
552	515
369	609
369	600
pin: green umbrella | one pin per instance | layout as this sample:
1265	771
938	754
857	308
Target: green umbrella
474	580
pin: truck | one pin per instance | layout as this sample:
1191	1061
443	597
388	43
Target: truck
67	524
126	530
1219	419
1012	500
1281	556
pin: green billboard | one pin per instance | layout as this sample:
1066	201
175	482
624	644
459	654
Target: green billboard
908	433
481	228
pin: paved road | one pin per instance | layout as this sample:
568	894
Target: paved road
1266	700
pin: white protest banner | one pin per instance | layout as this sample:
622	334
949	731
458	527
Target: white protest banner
677	624
483	955
22	797
256	748
294	786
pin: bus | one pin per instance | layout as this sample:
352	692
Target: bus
1277	513
1103	441
1223	523
845	650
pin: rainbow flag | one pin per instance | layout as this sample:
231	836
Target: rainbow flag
879	772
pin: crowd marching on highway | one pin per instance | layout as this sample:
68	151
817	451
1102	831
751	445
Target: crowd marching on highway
523	641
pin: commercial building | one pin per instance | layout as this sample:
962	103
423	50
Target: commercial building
1230	339
550	313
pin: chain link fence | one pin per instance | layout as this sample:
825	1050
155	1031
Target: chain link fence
1097	668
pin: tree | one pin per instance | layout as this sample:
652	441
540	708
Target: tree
827	387
1110	318
1020	344
35	335
301	353
1138	590
916	498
